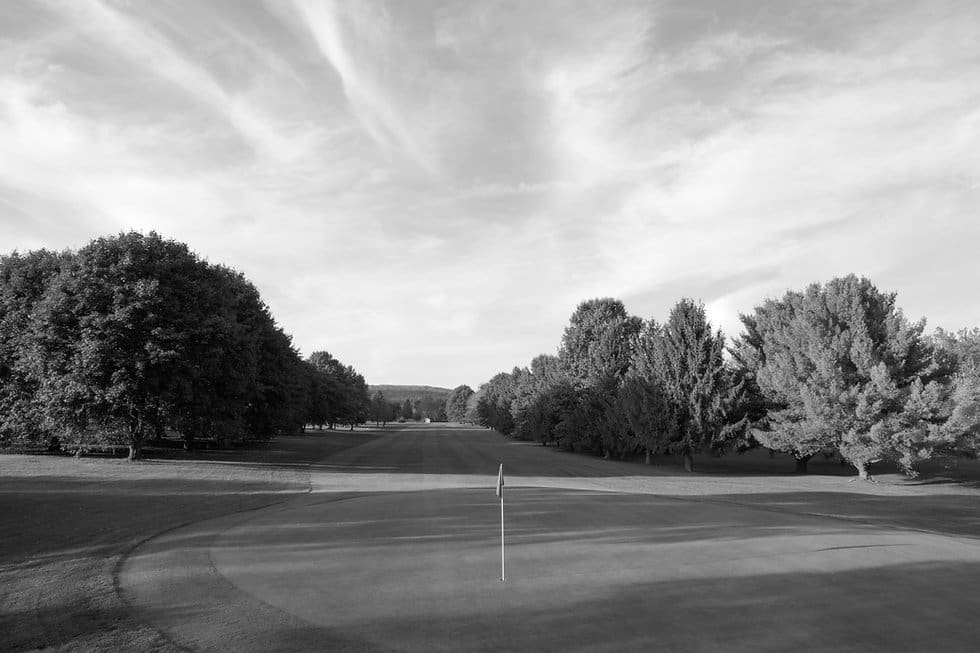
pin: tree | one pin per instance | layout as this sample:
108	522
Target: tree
963	347
134	335
380	409
431	408
598	341
277	400
596	352
544	419
842	370
494	403
963	427
473	407
356	402
24	280
649	412
109	337
690	368
212	397
530	407
456	403
603	425
408	410
318	407
345	391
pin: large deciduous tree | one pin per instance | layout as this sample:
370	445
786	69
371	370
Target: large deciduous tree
598	341
456	403
24	280
843	370
649	412
135	335
534	415
109	338
494	402
346	393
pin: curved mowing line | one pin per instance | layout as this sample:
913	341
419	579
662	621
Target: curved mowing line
125	556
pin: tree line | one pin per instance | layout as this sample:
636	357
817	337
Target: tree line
135	337
834	369
407	403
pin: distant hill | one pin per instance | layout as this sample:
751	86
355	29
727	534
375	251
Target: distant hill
413	392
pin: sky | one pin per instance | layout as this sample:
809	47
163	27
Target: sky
428	189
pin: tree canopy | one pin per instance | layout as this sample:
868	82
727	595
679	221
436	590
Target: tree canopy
842	370
456	403
134	336
833	369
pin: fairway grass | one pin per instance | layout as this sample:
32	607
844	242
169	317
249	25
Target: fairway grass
373	541
66	524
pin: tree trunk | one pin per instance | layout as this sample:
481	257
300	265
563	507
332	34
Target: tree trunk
801	464
862	469
688	462
647	462
135	439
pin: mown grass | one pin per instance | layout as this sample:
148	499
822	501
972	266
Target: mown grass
66	523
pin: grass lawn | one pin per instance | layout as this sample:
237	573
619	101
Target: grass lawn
67	522
389	541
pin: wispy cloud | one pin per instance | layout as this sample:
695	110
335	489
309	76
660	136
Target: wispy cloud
357	40
138	43
427	190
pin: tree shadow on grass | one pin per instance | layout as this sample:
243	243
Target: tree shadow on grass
289	450
463	517
549	604
948	514
927	606
533	516
72	517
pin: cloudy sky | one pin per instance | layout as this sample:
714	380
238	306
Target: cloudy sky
427	189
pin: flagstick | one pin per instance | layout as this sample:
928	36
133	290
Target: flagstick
503	576
500	493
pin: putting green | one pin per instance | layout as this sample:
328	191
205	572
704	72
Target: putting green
418	569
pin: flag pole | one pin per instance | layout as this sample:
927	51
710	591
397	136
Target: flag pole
503	576
500	493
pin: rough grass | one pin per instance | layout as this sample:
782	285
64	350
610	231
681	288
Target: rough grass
67	522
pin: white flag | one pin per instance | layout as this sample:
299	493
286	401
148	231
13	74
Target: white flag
500	481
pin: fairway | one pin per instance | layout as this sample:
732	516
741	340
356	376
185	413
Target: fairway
397	549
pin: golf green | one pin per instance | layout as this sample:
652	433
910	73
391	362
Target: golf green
399	549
